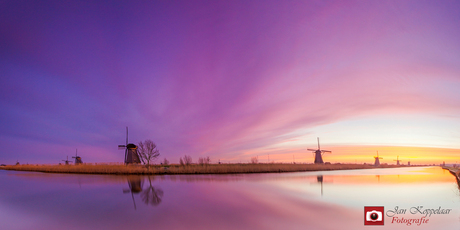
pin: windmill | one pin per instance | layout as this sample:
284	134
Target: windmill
319	154
77	158
397	160
377	159
66	161
131	156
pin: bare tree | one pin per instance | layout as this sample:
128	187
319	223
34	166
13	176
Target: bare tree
165	162
148	151
254	160
204	161
186	161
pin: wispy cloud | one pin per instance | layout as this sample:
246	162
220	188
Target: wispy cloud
219	79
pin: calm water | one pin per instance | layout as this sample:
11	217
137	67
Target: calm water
306	200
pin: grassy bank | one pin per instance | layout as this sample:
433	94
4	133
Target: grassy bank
191	169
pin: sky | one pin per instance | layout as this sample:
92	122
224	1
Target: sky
230	80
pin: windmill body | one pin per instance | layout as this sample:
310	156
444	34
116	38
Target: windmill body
77	159
318	157
319	154
397	160
377	159
66	161
131	155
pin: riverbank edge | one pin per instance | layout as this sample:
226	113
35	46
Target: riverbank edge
190	169
453	171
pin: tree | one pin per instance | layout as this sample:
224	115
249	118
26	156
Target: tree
204	161
148	151
165	162
254	160
186	161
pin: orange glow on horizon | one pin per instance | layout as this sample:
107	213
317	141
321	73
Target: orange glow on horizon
426	175
363	154
389	154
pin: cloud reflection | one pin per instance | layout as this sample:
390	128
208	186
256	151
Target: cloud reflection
254	201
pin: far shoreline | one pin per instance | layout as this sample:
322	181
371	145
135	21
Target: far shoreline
174	169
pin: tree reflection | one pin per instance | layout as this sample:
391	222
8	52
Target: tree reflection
152	195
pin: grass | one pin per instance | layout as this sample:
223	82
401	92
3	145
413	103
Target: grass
190	169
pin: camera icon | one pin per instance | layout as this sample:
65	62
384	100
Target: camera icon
374	216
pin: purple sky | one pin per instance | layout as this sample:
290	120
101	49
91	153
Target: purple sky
229	79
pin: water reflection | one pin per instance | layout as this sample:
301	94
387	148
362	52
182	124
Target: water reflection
249	201
319	179
150	195
135	187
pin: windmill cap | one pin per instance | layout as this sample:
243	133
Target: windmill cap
131	146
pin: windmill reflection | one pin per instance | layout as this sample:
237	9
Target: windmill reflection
135	187
319	179
150	195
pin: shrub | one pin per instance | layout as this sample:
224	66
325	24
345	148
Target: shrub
187	160
204	160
